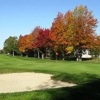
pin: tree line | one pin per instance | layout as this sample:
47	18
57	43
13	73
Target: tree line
72	31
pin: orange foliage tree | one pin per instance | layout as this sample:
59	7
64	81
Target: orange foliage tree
75	29
96	47
21	44
84	28
57	34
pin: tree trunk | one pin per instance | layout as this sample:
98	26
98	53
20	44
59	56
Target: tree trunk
13	53
42	55
63	56
26	55
46	53
38	54
21	55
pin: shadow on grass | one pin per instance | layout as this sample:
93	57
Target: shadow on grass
88	88
89	91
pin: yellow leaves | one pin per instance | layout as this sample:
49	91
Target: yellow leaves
69	49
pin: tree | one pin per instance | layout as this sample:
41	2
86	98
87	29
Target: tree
84	28
96	47
75	29
57	35
22	44
26	43
42	41
11	45
34	34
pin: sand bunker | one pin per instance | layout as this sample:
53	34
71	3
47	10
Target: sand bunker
28	81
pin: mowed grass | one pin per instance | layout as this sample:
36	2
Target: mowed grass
18	64
85	74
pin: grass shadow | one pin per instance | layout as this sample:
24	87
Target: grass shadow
88	91
88	88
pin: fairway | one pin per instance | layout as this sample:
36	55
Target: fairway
81	73
10	64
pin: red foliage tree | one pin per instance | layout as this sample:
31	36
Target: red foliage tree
34	35
42	40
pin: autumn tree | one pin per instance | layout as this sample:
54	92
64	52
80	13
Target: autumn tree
69	33
26	43
74	30
96	48
22	44
42	41
62	33
58	40
34	35
84	28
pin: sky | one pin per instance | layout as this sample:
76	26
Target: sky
20	17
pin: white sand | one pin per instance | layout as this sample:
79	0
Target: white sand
28	81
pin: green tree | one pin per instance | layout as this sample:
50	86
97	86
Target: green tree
11	45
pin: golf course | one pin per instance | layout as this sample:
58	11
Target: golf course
86	74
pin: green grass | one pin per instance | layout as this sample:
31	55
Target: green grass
10	64
86	74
